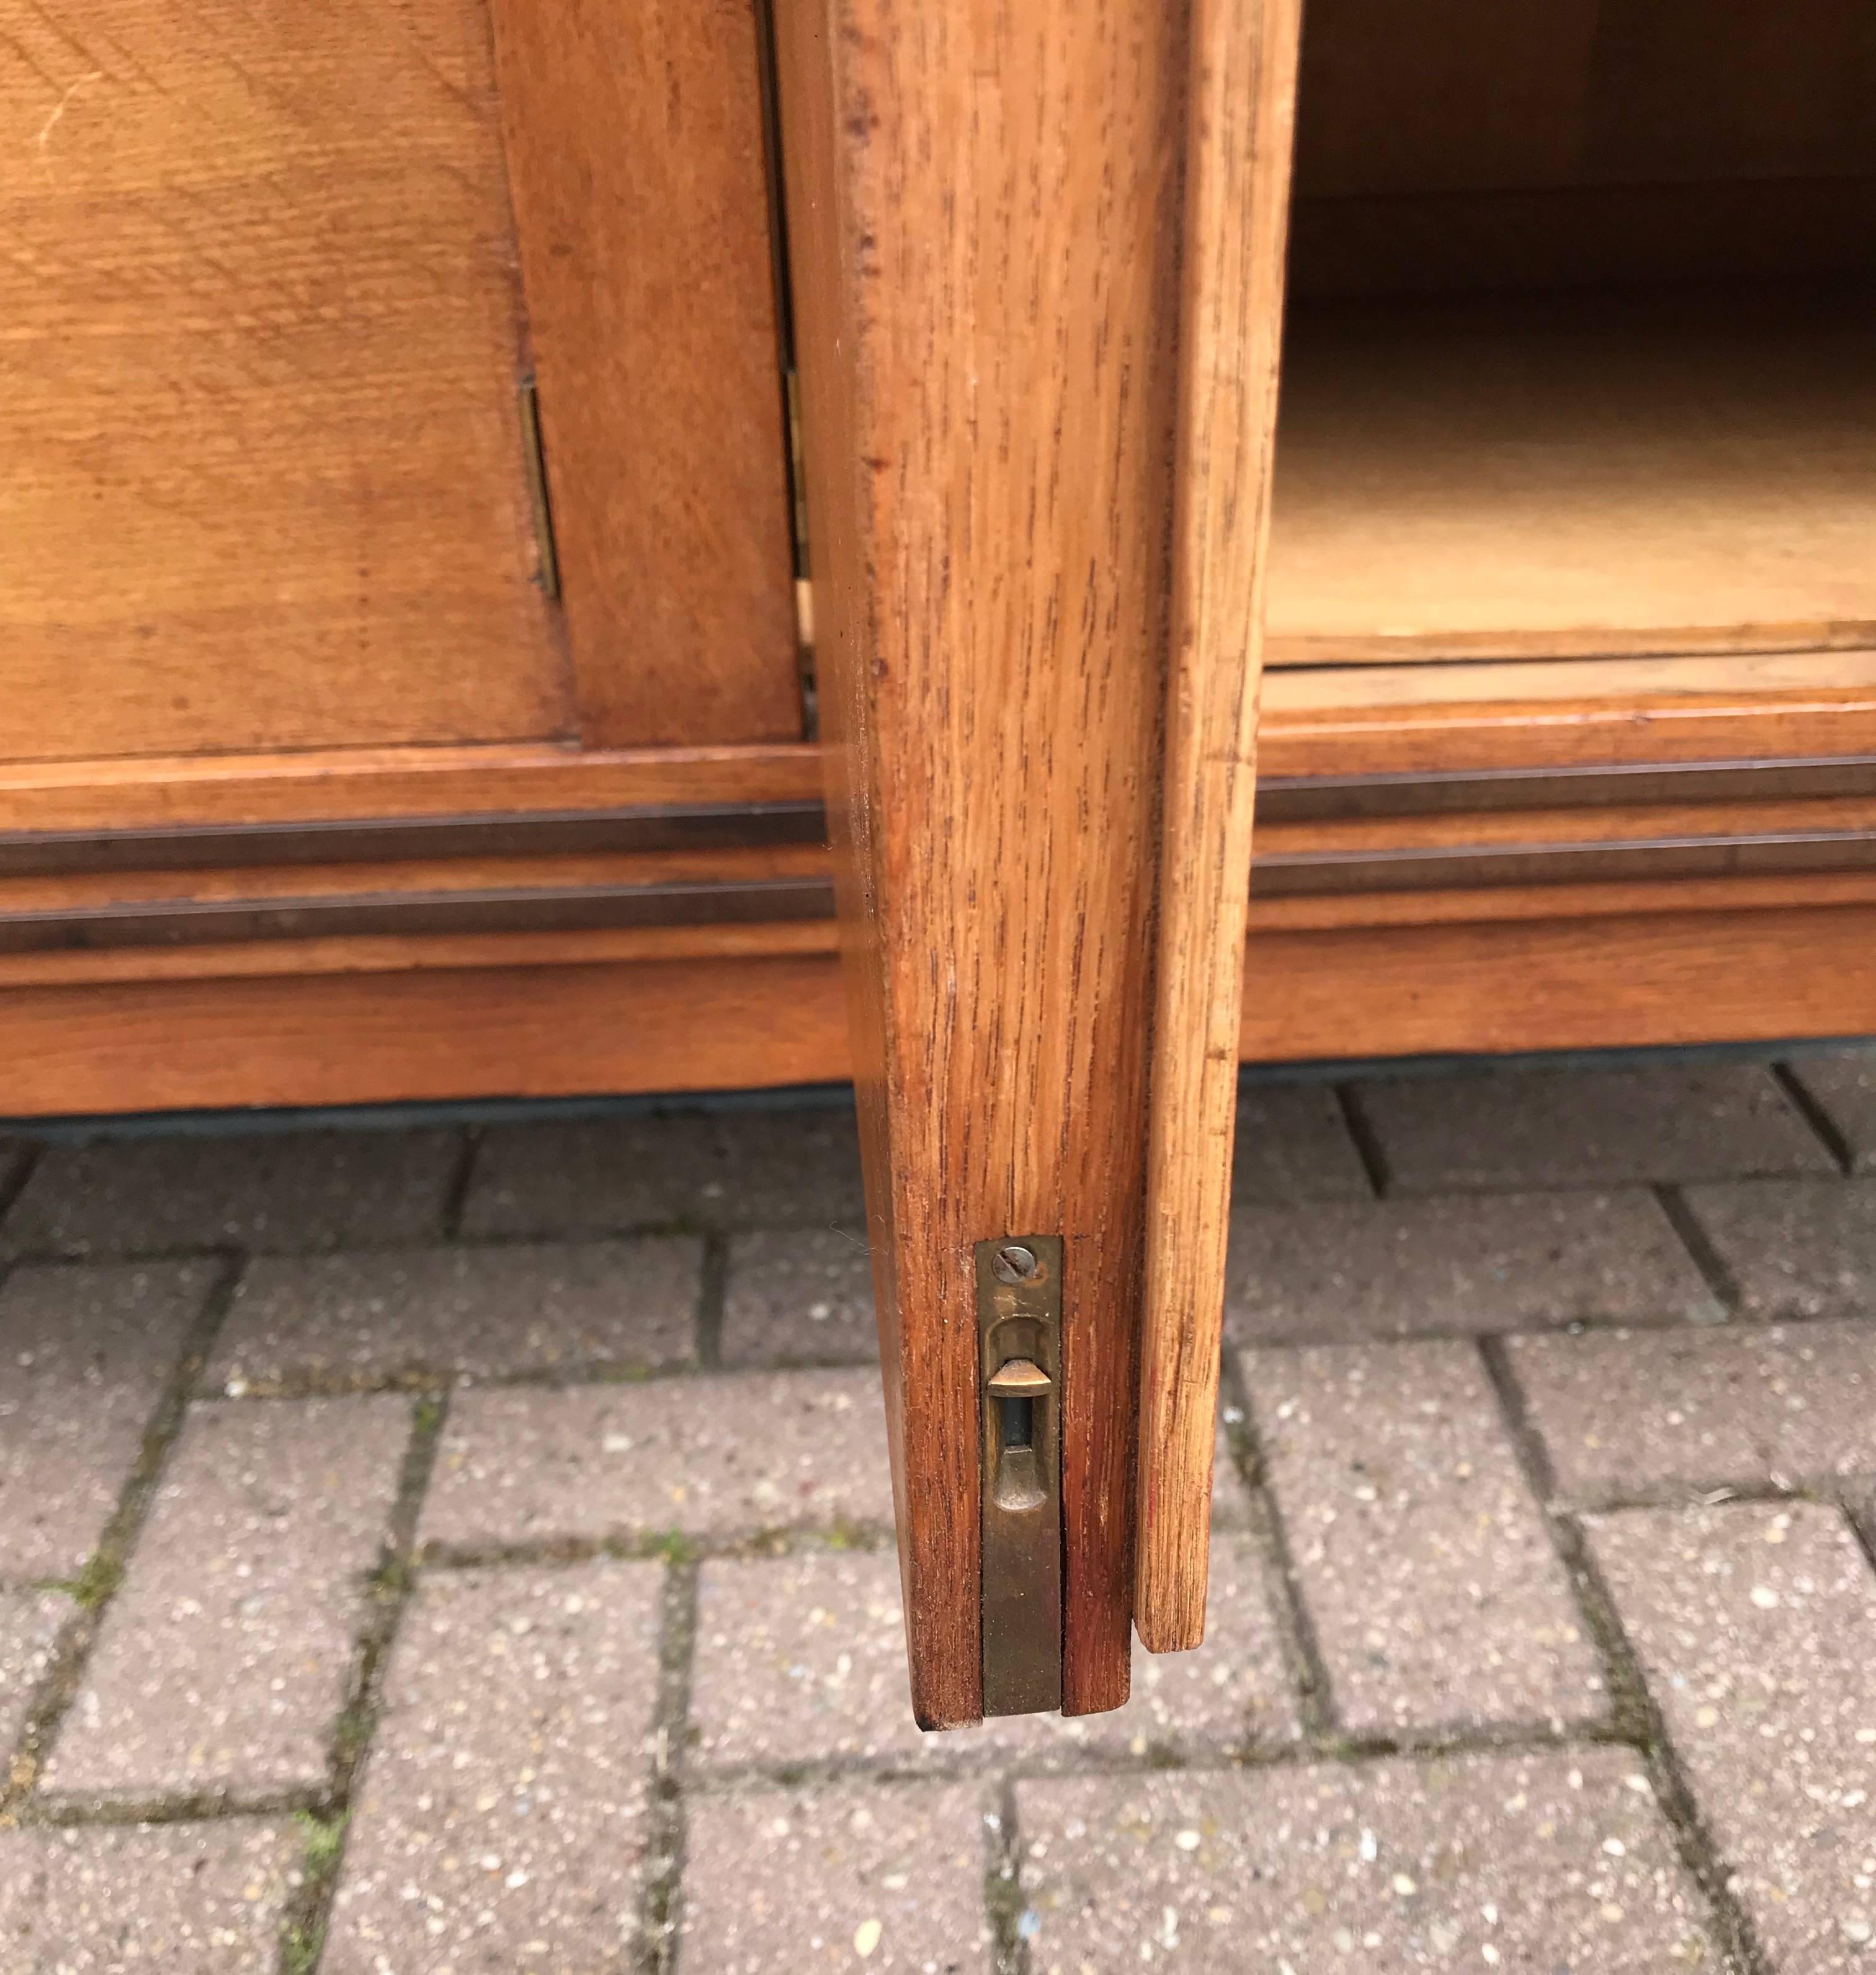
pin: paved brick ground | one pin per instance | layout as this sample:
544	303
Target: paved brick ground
440	1552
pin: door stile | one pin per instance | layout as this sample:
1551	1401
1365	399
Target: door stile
985	211
1241	124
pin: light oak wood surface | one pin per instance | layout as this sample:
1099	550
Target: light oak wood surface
263	480
1601	967
1240	127
1628	476
338	785
983	210
636	148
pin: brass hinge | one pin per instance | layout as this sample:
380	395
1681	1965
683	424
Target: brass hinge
537	500
1019	1315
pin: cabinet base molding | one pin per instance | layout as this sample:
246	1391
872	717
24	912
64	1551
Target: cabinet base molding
630	1012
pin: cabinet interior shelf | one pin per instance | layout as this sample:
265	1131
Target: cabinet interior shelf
1530	497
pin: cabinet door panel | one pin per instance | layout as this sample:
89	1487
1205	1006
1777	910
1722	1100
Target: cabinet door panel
635	147
265	482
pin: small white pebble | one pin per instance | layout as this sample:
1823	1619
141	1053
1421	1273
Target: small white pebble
1765	1597
1616	1848
866	1937
1187	1841
1404	1885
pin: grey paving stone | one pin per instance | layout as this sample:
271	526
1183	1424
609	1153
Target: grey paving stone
84	1356
175	1899
1435	1595
502	1822
223	1660
416	1315
14	1155
1532	1129
799	1296
29	1624
1230	1501
1795	1248
883	1876
716	1169
1753	1624
1842	1084
1623	1412
802	1659
708	1456
1293	1144
297	1191
1474	1263
1530	1863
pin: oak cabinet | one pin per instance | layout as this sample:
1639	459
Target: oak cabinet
489	488
353	746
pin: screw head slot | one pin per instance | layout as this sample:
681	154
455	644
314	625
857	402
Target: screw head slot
1013	1262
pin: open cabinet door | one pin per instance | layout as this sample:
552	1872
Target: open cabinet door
1036	256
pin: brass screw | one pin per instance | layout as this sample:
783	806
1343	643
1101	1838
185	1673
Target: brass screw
1013	1262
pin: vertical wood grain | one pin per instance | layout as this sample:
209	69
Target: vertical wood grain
635	154
260	463
983	216
1240	124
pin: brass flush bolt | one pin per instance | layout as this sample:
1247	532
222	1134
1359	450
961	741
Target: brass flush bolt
1019	1307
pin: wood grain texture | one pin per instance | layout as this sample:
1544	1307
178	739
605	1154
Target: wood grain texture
263	481
1610	821
1768	679
1623	979
1240	122
383	1037
983	207
1633	474
379	953
635	150
377	1022
415	876
345	785
1394	733
433	911
1603	898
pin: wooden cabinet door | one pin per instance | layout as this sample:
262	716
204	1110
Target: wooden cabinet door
1038	258
276	276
